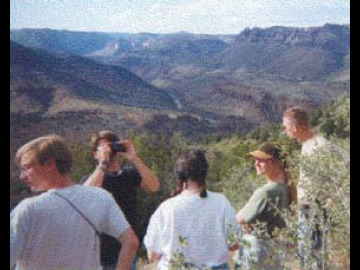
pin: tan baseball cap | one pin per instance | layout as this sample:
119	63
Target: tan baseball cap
267	151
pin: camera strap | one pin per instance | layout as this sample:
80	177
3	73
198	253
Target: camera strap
78	211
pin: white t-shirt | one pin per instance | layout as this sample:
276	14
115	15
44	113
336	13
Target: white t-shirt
47	233
311	146
312	152
207	227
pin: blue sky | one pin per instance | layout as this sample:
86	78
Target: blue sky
168	16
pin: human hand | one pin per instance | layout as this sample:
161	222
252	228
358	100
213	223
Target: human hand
104	153
130	153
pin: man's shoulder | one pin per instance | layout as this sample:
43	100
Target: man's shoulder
321	146
314	144
94	191
31	204
84	194
24	205
321	141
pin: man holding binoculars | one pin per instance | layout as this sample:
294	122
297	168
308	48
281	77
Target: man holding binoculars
121	181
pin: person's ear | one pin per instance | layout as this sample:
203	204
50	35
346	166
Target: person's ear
50	164
296	128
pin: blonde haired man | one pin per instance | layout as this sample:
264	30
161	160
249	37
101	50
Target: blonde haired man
311	192
59	228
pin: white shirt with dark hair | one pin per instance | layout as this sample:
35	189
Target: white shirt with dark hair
202	229
46	232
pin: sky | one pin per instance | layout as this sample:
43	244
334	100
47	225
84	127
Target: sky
169	16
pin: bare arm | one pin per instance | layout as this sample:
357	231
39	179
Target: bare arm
98	176
96	179
153	256
129	246
234	247
246	227
150	181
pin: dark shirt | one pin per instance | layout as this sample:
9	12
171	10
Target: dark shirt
123	187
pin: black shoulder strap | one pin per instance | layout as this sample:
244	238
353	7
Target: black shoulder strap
77	210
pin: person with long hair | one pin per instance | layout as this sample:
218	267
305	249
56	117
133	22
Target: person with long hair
196	228
262	213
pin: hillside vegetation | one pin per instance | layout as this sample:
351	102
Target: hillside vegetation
232	173
223	93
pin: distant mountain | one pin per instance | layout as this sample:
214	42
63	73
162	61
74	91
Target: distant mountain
83	43
76	43
39	80
255	74
74	83
290	53
74	96
294	53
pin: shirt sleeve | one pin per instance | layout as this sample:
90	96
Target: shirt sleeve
152	238
19	231
115	222
254	207
233	231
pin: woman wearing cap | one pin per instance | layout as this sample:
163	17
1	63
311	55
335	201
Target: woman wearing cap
196	228
261	214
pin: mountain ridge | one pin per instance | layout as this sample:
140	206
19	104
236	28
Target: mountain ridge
82	78
330	42
254	74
